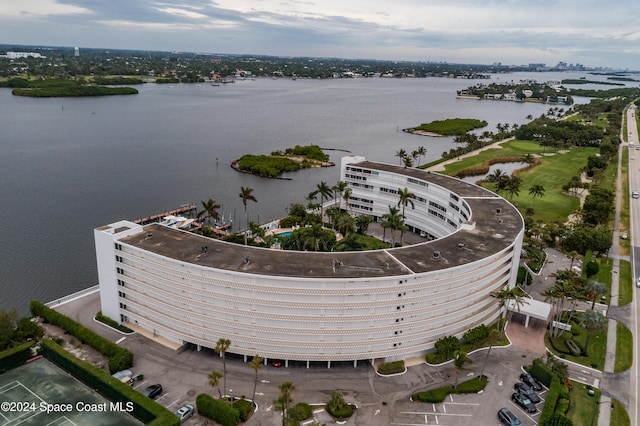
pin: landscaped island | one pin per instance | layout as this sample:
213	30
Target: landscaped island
61	87
448	127
289	160
550	92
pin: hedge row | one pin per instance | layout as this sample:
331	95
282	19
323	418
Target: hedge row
144	409
555	389
541	372
217	410
474	385
119	358
16	356
393	367
111	323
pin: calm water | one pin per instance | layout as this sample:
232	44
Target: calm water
68	166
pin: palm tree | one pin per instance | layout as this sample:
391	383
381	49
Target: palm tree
421	153
222	345
282	403
214	380
345	223
392	220
406	198
312	234
346	195
362	223
210	210
338	189
256	363
407	161
595	289
325	192
459	361
496	176
401	153
247	195
506	297
350	243
536	191
512	186
591	320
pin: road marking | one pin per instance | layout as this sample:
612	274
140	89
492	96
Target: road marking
173	403
120	340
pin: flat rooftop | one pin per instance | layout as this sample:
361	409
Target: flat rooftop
489	233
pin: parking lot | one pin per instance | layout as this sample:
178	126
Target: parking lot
380	400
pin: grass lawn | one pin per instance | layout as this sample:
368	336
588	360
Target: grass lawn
619	416
604	275
624	206
371	243
582	407
597	344
554	171
624	348
626	285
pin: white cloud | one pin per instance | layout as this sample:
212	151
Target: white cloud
38	8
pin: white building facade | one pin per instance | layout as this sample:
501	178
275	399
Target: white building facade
308	306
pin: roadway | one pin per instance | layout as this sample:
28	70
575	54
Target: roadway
634	219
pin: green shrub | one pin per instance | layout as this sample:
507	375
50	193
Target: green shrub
551	401
541	372
574	347
562	406
302	410
476	334
111	323
244	408
391	367
474	385
219	411
13	357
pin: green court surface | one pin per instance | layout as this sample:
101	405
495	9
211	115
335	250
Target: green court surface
39	393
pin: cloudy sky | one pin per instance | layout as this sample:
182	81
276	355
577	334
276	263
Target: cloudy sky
593	33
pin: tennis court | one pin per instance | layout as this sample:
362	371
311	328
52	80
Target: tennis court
39	393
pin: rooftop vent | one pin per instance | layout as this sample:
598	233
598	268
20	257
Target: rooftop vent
460	246
205	249
436	254
149	234
498	211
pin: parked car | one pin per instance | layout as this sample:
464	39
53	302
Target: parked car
526	390
122	374
276	364
625	234
531	381
638	282
524	402
185	412
506	417
152	391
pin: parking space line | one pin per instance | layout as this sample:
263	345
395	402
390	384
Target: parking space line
174	402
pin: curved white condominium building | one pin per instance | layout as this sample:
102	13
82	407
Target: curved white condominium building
308	306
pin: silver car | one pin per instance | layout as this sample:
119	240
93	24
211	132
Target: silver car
185	412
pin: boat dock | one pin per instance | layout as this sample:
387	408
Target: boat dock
183	209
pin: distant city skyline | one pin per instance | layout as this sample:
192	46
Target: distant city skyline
514	32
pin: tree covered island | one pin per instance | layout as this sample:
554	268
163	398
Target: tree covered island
448	127
551	92
279	162
62	87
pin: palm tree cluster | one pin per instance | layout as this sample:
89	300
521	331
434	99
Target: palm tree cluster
506	183
408	160
222	346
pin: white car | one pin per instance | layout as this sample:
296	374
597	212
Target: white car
638	282
185	412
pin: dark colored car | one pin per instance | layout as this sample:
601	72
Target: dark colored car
152	391
526	390
524	402
506	417
531	381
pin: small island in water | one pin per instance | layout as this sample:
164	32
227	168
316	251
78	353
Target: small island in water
289	160
448	127
62	87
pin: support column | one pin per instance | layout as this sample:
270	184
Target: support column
328	364
307	363
526	321
199	347
355	363
245	358
286	363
